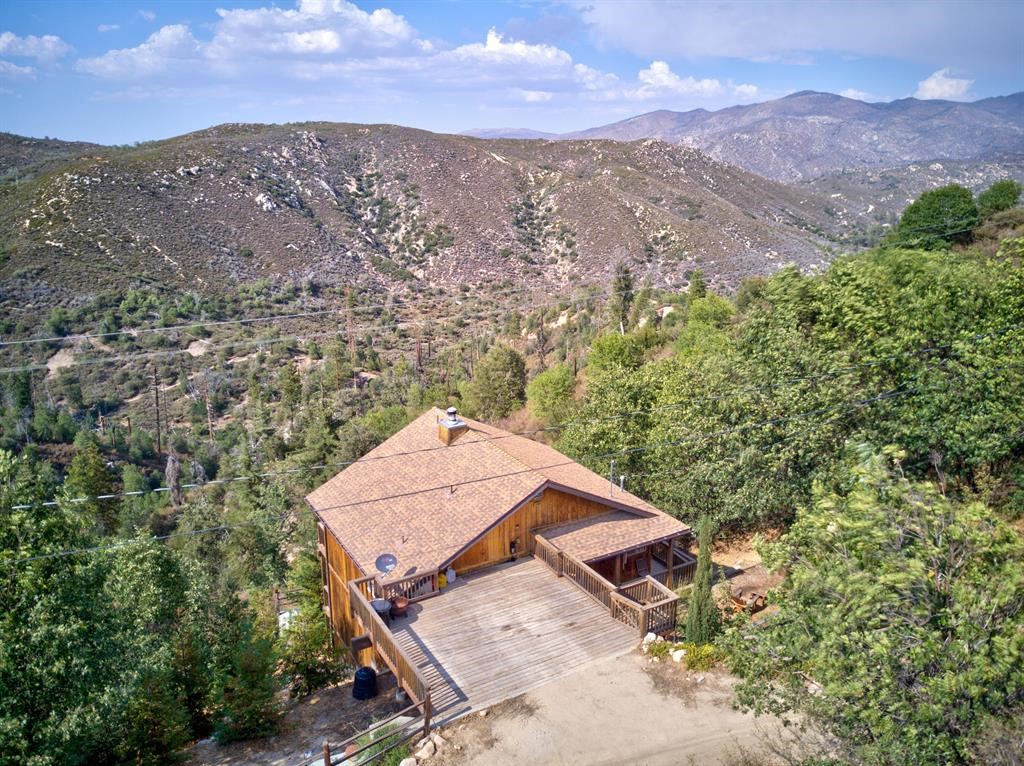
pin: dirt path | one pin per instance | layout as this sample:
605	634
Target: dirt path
623	710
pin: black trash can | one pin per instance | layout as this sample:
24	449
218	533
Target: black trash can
364	687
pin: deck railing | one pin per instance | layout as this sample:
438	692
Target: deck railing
548	553
587	579
644	605
362	590
414	587
684	563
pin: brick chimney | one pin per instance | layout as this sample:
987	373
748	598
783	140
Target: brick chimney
450	427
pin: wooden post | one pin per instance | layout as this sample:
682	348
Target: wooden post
327	754
670	562
426	713
618	569
156	398
209	409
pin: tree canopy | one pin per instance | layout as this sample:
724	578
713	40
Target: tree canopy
1002	195
937	219
898	628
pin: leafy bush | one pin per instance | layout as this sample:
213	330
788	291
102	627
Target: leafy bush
938	218
1002	195
549	394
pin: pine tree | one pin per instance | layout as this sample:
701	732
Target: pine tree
702	624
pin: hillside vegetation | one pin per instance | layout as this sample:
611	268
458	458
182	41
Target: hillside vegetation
385	206
882	395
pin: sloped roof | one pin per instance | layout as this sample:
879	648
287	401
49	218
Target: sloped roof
425	502
606	534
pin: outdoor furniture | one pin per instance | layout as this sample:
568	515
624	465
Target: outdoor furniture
383	609
642	570
399	607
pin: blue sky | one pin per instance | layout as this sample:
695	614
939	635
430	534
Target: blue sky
119	72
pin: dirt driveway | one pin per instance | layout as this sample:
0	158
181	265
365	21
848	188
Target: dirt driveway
623	710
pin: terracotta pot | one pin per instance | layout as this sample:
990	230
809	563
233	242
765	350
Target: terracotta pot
399	606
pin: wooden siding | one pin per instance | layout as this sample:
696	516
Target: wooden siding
553	507
340	569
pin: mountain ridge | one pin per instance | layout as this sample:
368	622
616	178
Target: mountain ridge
388	206
809	134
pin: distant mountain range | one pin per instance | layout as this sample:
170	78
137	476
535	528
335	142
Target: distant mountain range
809	134
387	207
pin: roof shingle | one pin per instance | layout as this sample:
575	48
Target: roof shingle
425	502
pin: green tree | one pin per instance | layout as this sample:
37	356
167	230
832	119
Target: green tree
613	350
621	298
549	394
307	657
245	687
938	218
1002	195
89	477
698	285
499	382
290	385
702	619
898	630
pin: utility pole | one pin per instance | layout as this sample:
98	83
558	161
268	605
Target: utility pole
350	329
156	400
209	409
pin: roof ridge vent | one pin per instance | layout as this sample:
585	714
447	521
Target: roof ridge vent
451	426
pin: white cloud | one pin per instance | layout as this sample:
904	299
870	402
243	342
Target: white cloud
659	80
45	48
314	27
858	95
516	52
534	96
9	71
147	15
173	44
380	56
941	85
107	28
969	35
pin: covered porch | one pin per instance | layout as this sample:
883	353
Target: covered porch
619	548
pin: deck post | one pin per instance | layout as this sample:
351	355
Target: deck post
327	754
618	569
426	714
670	562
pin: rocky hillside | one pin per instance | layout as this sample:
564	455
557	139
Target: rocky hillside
879	195
809	134
387	206
22	157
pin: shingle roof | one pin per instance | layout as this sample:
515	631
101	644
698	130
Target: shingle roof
425	502
605	535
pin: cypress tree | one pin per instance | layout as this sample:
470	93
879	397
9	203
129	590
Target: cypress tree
702	622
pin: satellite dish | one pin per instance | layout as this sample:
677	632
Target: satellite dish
386	562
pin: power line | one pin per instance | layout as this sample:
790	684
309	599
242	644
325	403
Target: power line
530	432
134	331
839	408
210	347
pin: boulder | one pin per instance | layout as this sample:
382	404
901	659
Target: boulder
678	654
426	749
407	762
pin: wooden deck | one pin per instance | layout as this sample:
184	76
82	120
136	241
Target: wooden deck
494	635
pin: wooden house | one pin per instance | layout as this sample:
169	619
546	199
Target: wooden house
451	494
